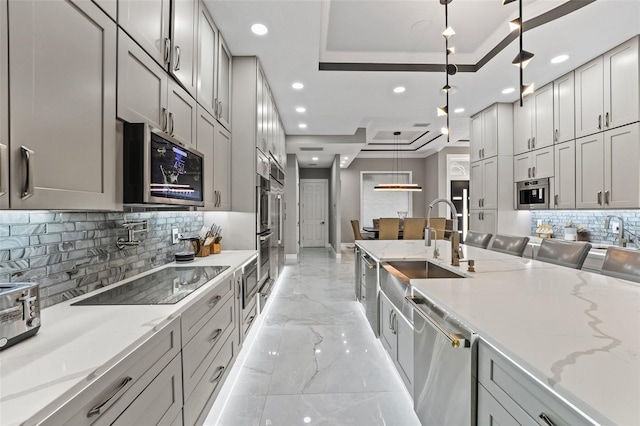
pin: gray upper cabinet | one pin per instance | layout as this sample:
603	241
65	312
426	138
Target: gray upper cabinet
110	7
534	121
564	111
147	22
223	91
207	61
215	143
182	114
4	112
184	36
64	112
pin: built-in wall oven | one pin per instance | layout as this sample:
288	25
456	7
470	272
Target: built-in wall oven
262	204
264	255
533	194
249	282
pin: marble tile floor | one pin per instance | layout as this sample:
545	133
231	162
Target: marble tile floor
314	359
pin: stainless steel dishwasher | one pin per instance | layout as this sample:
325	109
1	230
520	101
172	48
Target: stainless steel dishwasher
442	366
369	291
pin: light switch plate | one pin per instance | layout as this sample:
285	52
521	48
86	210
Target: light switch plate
175	235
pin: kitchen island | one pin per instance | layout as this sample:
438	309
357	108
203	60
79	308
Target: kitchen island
575	333
78	345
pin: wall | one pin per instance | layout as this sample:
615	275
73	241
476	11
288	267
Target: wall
73	253
350	188
238	229
335	206
591	220
315	173
292	203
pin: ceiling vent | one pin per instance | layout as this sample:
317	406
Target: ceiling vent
421	125
312	148
313	164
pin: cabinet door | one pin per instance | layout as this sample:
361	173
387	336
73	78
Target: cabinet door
522	128
260	111
590	172
404	356
476	185
224	84
184	35
489	221
621	174
621	85
387	331
222	170
542	117
207	45
490	132
542	163
476	137
265	116
206	128
522	167
564	108
490	412
182	114
490	191
589	98
4	112
142	86
147	22
565	176
110	7
65	111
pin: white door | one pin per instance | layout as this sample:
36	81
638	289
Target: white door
313	212
206	128
589	98
147	22
522	167
590	172
542	163
621	176
621	85
490	132
184	35
476	186
223	88
222	171
476	137
565	176
522	130
207	61
490	183
543	117
564	108
182	114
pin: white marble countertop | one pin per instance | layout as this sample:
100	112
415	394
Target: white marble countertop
575	331
75	343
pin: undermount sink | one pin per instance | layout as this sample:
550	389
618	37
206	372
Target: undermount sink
408	270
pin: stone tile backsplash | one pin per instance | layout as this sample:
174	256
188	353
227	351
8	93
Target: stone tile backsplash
591	220
72	253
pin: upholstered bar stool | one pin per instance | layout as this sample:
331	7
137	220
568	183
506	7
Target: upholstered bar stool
622	263
563	253
509	245
414	228
389	228
477	239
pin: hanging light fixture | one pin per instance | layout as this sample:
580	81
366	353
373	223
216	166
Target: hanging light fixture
397	185
523	57
450	69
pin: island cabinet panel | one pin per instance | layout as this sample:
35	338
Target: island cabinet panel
202	311
105	399
396	335
491	413
523	398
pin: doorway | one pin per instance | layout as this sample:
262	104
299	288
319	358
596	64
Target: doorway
314	212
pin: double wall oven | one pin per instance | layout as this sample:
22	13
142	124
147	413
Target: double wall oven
264	232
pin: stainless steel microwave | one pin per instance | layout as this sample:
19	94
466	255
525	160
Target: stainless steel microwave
159	169
533	194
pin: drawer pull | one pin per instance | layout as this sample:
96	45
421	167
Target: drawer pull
215	335
546	419
250	320
115	395
214	301
216	377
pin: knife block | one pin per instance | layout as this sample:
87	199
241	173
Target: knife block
204	250
216	248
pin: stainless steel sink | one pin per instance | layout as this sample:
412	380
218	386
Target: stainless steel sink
407	270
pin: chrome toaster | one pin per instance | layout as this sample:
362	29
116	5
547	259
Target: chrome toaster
19	312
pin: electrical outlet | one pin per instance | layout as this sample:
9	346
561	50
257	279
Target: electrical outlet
615	227
175	235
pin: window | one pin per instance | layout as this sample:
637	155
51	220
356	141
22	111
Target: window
377	204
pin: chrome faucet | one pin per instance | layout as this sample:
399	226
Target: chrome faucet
456	253
622	242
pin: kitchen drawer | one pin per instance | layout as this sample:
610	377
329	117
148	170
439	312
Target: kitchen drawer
200	351
118	386
523	397
160	402
250	315
202	311
197	406
491	413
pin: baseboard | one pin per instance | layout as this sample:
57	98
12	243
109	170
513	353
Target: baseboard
290	259
333	253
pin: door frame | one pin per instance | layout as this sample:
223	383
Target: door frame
326	207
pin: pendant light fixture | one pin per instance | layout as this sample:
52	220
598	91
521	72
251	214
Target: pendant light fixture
450	69
523	57
396	185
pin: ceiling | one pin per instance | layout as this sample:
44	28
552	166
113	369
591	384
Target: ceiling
366	48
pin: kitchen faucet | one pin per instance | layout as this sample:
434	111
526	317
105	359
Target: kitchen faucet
455	237
622	242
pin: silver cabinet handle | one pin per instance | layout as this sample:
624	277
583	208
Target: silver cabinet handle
533	142
482	152
606	120
555	199
27	172
218	374
4	165
167	50
606	197
393	321
600	122
176	67
215	107
529	172
529	143
165	120
171	122
215	335
219	198
555	135
214	301
600	197
533	171
390	319
546	419
113	397
220	110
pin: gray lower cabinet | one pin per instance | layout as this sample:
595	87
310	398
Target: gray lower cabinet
510	391
396	335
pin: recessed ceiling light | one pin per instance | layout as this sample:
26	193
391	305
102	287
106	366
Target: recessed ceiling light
345	158
314	158
297	85
508	90
458	110
302	126
399	89
560	58
301	109
259	29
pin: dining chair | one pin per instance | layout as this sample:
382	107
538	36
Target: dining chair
389	228
509	245
355	225
376	223
477	239
442	226
563	253
414	228
622	263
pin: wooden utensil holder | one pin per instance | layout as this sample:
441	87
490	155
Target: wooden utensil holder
216	248
204	250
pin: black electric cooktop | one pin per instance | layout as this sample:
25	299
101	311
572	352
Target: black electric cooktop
164	287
